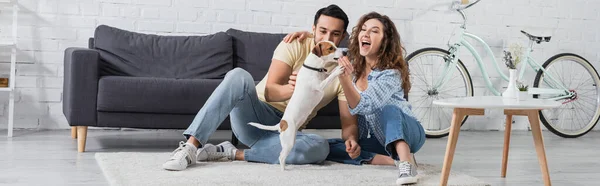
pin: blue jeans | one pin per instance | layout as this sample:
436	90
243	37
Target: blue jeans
236	96
397	126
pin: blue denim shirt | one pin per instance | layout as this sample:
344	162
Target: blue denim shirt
384	88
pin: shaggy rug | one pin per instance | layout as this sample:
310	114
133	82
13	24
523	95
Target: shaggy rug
134	168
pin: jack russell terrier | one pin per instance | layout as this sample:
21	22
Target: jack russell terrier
311	82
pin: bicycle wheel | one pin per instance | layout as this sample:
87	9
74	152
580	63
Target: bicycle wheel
580	112
426	67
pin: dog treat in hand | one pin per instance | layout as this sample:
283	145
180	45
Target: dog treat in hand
340	52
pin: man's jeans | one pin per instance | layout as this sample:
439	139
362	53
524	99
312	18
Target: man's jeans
236	96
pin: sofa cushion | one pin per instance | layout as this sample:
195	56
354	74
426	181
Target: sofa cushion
147	55
331	109
253	51
153	95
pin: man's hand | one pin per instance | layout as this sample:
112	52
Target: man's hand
352	148
301	35
292	80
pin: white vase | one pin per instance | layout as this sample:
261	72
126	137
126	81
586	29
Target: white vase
523	95
511	91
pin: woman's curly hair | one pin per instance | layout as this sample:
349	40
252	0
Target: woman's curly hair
391	53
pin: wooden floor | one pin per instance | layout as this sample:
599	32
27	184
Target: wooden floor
51	158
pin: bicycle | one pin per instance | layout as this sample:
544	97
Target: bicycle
439	83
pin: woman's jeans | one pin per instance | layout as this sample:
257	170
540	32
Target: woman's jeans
396	126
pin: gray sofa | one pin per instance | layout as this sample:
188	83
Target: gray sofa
136	80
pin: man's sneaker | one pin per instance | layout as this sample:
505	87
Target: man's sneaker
407	173
222	151
181	157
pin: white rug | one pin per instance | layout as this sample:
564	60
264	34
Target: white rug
132	168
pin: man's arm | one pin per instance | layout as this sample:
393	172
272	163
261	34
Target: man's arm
349	122
279	86
281	80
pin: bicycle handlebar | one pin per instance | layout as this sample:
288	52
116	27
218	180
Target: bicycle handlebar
459	7
464	2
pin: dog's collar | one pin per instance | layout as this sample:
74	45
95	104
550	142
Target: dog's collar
315	69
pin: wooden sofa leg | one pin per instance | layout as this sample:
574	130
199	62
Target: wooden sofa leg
81	137
74	132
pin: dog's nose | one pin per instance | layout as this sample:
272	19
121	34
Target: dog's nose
339	52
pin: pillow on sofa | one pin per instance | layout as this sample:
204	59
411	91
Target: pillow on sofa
128	53
253	51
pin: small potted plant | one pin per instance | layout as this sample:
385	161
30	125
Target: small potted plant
511	89
523	95
512	58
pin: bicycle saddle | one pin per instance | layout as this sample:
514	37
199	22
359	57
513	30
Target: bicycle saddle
537	39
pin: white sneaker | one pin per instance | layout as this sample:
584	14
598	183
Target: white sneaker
182	157
222	151
407	173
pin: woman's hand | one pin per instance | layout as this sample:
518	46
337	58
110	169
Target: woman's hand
347	67
352	148
301	35
352	95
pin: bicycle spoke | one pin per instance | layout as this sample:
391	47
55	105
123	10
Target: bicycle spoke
432	79
422	72
584	82
585	102
422	100
585	91
445	90
571	81
421	89
555	74
576	103
594	99
422	78
441	112
450	96
578	113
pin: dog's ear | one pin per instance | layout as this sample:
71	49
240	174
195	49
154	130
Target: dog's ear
283	125
317	50
327	48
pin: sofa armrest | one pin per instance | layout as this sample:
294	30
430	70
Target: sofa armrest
80	88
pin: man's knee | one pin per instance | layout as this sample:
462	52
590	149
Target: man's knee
314	149
239	75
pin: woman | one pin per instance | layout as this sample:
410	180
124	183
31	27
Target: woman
387	129
375	84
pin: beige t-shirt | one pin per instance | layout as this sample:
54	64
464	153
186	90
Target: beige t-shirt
294	55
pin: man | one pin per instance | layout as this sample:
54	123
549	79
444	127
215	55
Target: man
238	97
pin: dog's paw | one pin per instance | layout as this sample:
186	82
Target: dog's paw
322	86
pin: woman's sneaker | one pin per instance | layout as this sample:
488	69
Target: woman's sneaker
407	173
222	151
182	157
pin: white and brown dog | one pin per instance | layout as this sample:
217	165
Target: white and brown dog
311	82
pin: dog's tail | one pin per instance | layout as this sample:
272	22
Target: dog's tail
265	127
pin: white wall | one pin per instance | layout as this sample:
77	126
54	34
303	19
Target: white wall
47	27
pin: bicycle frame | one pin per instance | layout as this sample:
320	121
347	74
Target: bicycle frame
451	61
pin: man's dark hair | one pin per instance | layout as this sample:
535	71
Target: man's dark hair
333	11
